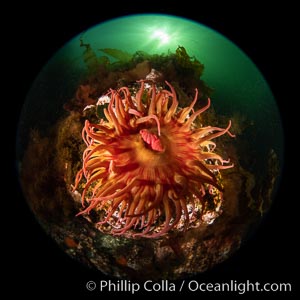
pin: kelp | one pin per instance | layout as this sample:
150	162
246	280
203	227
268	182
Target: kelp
118	55
110	66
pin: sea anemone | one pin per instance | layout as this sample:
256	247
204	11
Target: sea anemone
147	165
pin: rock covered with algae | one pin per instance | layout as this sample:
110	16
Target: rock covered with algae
52	160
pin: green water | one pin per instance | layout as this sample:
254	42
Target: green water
239	87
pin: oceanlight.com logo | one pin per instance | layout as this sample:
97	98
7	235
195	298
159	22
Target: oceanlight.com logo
239	287
232	286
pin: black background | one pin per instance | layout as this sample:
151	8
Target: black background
36	265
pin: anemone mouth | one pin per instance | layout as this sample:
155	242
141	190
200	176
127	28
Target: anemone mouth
149	169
